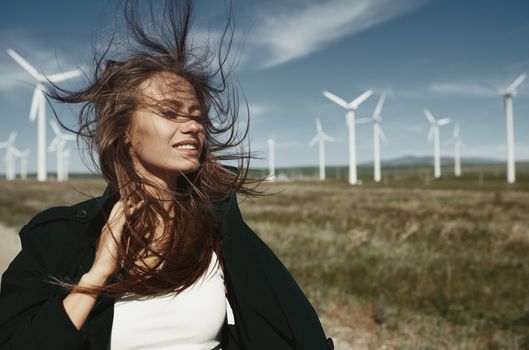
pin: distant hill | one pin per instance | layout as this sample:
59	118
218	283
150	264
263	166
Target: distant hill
421	160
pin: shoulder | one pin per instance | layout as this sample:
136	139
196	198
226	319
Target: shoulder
61	224
80	212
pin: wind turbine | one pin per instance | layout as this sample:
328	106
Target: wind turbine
508	94
66	158
8	145
23	155
271	160
434	132
378	133
350	122
38	105
456	141
321	137
57	145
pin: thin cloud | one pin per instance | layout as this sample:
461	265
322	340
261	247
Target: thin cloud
299	32
463	89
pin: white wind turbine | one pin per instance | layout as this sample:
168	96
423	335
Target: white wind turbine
38	105
456	141
378	133
57	145
8	145
23	155
321	137
508	94
271	160
350	121
65	162
434	132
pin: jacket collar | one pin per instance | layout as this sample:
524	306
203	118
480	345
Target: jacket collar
98	211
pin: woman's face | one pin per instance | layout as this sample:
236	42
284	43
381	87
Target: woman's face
166	134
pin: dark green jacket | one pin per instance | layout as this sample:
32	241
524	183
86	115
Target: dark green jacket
271	312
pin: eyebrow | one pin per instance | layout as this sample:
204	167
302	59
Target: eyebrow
190	110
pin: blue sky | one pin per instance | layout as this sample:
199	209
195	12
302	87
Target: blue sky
423	53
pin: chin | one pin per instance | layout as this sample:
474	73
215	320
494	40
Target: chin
187	168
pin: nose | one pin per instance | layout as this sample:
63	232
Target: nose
191	126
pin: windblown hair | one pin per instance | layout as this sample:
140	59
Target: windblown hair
108	104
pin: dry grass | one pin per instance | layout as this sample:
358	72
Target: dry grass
411	268
386	267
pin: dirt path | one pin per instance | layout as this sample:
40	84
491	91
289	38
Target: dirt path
9	246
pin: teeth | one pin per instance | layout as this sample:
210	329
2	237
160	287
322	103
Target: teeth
182	147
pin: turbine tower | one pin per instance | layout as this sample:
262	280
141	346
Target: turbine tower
378	133
38	105
57	145
23	155
350	122
456	141
8	145
434	132
271	160
65	162
321	137
508	94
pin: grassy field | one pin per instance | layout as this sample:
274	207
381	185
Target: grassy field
399	265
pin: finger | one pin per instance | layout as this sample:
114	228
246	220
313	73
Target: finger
131	208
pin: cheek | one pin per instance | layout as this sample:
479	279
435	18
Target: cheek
153	131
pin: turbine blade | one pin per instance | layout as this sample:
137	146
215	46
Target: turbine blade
430	133
53	145
383	134
515	84
55	78
336	99
24	64
68	137
328	138
318	126
429	116
314	140
443	121
55	127
490	86
456	131
378	108
35	101
357	101
11	138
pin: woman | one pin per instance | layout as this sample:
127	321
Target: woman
163	259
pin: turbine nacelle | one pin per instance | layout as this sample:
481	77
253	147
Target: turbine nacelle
60	138
320	135
434	123
511	90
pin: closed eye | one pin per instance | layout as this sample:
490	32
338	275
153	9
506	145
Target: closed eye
182	117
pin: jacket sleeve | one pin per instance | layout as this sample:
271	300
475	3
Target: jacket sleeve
304	322
32	315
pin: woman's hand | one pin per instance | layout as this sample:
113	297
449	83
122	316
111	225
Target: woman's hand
105	263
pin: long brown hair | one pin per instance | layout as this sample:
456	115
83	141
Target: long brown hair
108	103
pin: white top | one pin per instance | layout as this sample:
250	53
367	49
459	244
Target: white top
191	320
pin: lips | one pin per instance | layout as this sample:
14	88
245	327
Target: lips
186	142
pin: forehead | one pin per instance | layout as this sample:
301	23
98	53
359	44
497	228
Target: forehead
167	86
